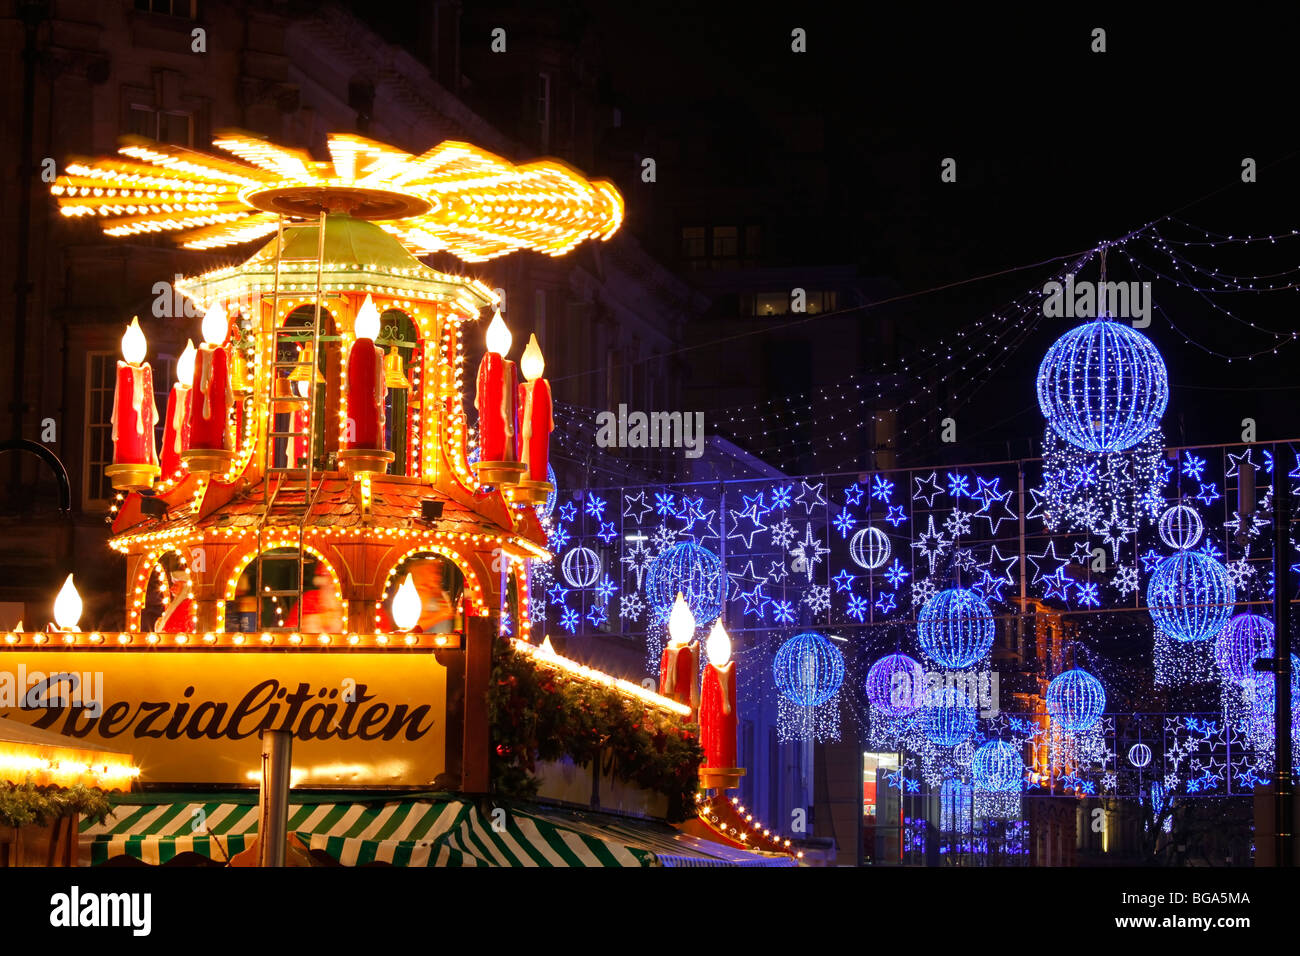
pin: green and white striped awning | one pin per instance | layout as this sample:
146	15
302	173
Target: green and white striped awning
427	831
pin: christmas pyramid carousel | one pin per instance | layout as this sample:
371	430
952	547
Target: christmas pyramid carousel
311	550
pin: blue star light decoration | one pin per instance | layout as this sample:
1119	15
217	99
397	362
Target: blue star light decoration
882	489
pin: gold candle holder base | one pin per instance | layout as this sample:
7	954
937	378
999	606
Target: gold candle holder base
361	461
533	492
721	778
133	477
498	472
205	461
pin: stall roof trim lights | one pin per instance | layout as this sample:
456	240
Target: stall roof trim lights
453	198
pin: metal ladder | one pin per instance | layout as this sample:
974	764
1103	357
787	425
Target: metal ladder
290	476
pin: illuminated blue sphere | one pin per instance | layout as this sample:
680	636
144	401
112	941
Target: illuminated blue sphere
998	767
1139	755
808	669
1180	527
546	508
896	685
948	717
581	567
1190	596
1076	700
1103	386
1244	638
694	572
955	627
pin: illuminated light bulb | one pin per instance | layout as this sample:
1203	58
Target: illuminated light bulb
681	622
532	364
498	335
215	325
67	606
133	342
407	606
185	364
366	324
303	386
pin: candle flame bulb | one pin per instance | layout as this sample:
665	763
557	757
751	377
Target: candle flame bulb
185	365
366	324
215	325
407	606
133	342
303	386
532	364
498	335
681	622
718	645
67	606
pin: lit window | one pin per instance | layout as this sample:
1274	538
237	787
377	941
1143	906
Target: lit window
724	242
171	8
771	303
693	242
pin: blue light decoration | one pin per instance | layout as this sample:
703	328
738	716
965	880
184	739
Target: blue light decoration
1190	596
869	548
997	767
1263	704
580	567
948	717
1244	638
808	669
956	627
693	571
1103	387
896	685
1076	700
546	508
1139	755
1180	527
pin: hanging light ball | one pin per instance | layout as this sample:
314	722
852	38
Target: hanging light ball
580	567
1244	638
869	548
808	669
1076	700
998	767
1180	527
1139	755
1102	386
956	627
948	717
896	685
1190	596
693	571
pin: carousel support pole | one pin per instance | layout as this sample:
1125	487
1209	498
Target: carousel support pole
478	673
273	797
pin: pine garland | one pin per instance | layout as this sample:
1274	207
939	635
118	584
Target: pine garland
538	713
21	804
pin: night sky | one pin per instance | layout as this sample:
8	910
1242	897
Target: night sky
1058	149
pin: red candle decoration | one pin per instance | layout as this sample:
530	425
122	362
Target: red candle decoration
718	718
211	443
366	388
135	460
536	419
494	396
363	433
176	430
678	669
